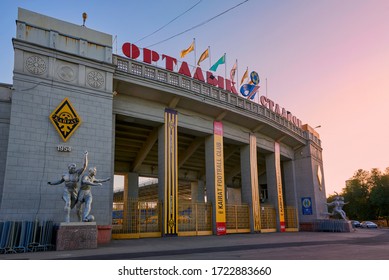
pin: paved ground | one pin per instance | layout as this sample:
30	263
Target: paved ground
362	244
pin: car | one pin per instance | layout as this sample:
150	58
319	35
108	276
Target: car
355	223
368	224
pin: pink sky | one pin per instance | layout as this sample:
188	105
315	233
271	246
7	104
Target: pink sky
327	61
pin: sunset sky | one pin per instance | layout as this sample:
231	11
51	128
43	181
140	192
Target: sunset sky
326	61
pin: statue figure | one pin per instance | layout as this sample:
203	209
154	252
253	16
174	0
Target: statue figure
70	191
338	204
85	195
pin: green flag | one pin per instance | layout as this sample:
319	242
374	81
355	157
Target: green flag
221	60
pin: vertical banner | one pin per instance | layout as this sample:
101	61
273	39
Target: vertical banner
219	179
280	199
171	173
254	183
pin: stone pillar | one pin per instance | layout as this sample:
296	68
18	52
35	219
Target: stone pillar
168	172
290	192
200	191
234	196
197	191
250	188
274	185
132	181
309	173
194	192
214	164
130	206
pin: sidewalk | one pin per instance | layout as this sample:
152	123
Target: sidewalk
180	247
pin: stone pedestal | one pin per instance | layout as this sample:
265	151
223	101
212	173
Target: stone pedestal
74	236
332	225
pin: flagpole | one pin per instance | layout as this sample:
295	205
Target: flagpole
237	73
237	79
194	42
225	66
209	52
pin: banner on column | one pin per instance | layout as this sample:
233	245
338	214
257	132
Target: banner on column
254	183
219	179
171	173
280	198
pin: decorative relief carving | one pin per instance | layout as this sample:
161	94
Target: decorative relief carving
66	73
36	65
95	79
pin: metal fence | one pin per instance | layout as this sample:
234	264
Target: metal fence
135	219
332	225
268	219
291	219
238	218
26	236
194	218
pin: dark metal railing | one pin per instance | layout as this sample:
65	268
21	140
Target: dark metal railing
26	236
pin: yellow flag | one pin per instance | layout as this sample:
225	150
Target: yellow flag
245	75
188	50
233	72
203	56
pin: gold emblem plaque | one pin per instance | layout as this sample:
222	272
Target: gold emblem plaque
65	119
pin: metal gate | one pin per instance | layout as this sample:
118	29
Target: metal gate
136	219
194	218
291	219
238	218
268	219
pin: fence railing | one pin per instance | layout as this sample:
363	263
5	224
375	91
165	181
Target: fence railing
238	218
26	236
291	218
194	218
134	219
268	219
332	225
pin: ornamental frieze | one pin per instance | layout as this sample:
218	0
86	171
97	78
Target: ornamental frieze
95	79
36	65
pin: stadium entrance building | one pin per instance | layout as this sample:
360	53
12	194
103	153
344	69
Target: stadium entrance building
220	163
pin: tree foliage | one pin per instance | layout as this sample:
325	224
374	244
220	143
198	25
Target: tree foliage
367	195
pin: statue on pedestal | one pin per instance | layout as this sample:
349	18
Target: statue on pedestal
85	195
337	205
70	192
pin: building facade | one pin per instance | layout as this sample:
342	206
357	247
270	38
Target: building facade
222	163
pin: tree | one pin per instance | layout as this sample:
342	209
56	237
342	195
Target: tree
367	195
379	197
356	193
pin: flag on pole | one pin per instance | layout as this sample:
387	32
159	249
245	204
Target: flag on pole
221	60
245	76
203	56
233	72
188	50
